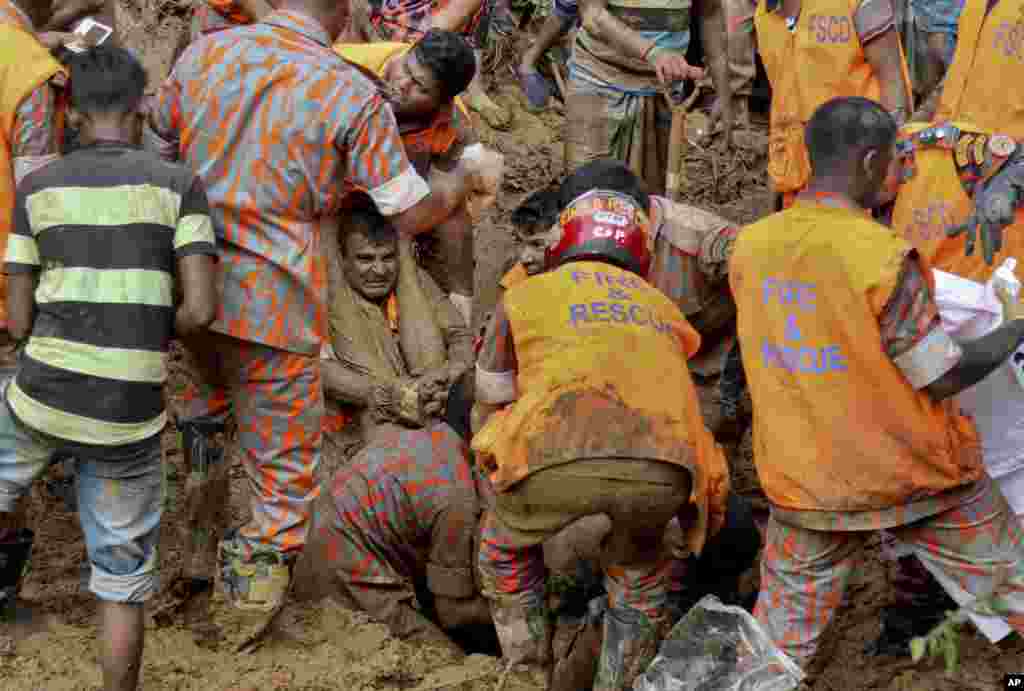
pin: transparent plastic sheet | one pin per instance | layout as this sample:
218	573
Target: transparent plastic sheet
716	647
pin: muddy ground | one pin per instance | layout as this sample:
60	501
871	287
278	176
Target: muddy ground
316	649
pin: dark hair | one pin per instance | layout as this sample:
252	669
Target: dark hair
845	129
450	58
363	218
543	206
106	79
605	174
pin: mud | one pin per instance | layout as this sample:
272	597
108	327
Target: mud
327	647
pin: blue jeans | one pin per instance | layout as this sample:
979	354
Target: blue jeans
119	504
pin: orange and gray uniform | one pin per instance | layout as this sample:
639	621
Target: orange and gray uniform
975	116
29	110
846	440
298	131
405	512
810	60
573	340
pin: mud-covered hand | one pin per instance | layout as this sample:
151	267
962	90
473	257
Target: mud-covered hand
995	205
485	170
433	387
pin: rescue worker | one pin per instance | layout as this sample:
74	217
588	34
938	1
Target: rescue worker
366	376
625	55
407	21
851	375
739	45
423	81
836	48
403	515
964	142
964	168
585	430
298	129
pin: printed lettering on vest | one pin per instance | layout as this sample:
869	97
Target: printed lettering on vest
1009	39
830	29
615	308
794	356
929	222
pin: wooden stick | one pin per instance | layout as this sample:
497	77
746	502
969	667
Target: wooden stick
676	146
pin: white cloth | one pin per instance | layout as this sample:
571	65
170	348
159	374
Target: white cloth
970	310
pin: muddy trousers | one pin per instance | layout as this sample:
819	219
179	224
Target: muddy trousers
277	403
640	498
804	573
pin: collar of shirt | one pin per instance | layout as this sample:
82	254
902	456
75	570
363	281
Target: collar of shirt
11	12
299	23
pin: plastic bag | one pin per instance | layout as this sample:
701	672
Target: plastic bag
970	310
716	647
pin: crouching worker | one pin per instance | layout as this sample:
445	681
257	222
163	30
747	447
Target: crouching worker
99	238
404	513
379	302
592	426
423	81
852	378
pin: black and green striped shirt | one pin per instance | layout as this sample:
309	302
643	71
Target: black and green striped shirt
104	227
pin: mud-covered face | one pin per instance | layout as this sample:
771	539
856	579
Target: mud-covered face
415	89
371	268
533	244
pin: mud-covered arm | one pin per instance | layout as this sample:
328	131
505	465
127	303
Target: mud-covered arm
875	21
714	39
926	111
913	337
21	268
458	338
670	65
455	14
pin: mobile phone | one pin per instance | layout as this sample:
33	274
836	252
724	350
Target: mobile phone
89	33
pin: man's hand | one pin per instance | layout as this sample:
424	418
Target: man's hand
671	66
484	172
433	390
995	206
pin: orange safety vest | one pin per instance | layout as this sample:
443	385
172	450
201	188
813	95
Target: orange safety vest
983	93
25	64
602	374
820	60
837	427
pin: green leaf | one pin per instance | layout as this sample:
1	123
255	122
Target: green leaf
918	646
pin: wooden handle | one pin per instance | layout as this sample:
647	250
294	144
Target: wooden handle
676	147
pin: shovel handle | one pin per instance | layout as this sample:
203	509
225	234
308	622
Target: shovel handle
676	143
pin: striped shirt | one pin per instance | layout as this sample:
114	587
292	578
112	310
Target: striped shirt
103	228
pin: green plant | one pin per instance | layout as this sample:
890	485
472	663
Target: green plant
944	639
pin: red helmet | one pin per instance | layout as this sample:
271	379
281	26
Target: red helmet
603	226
